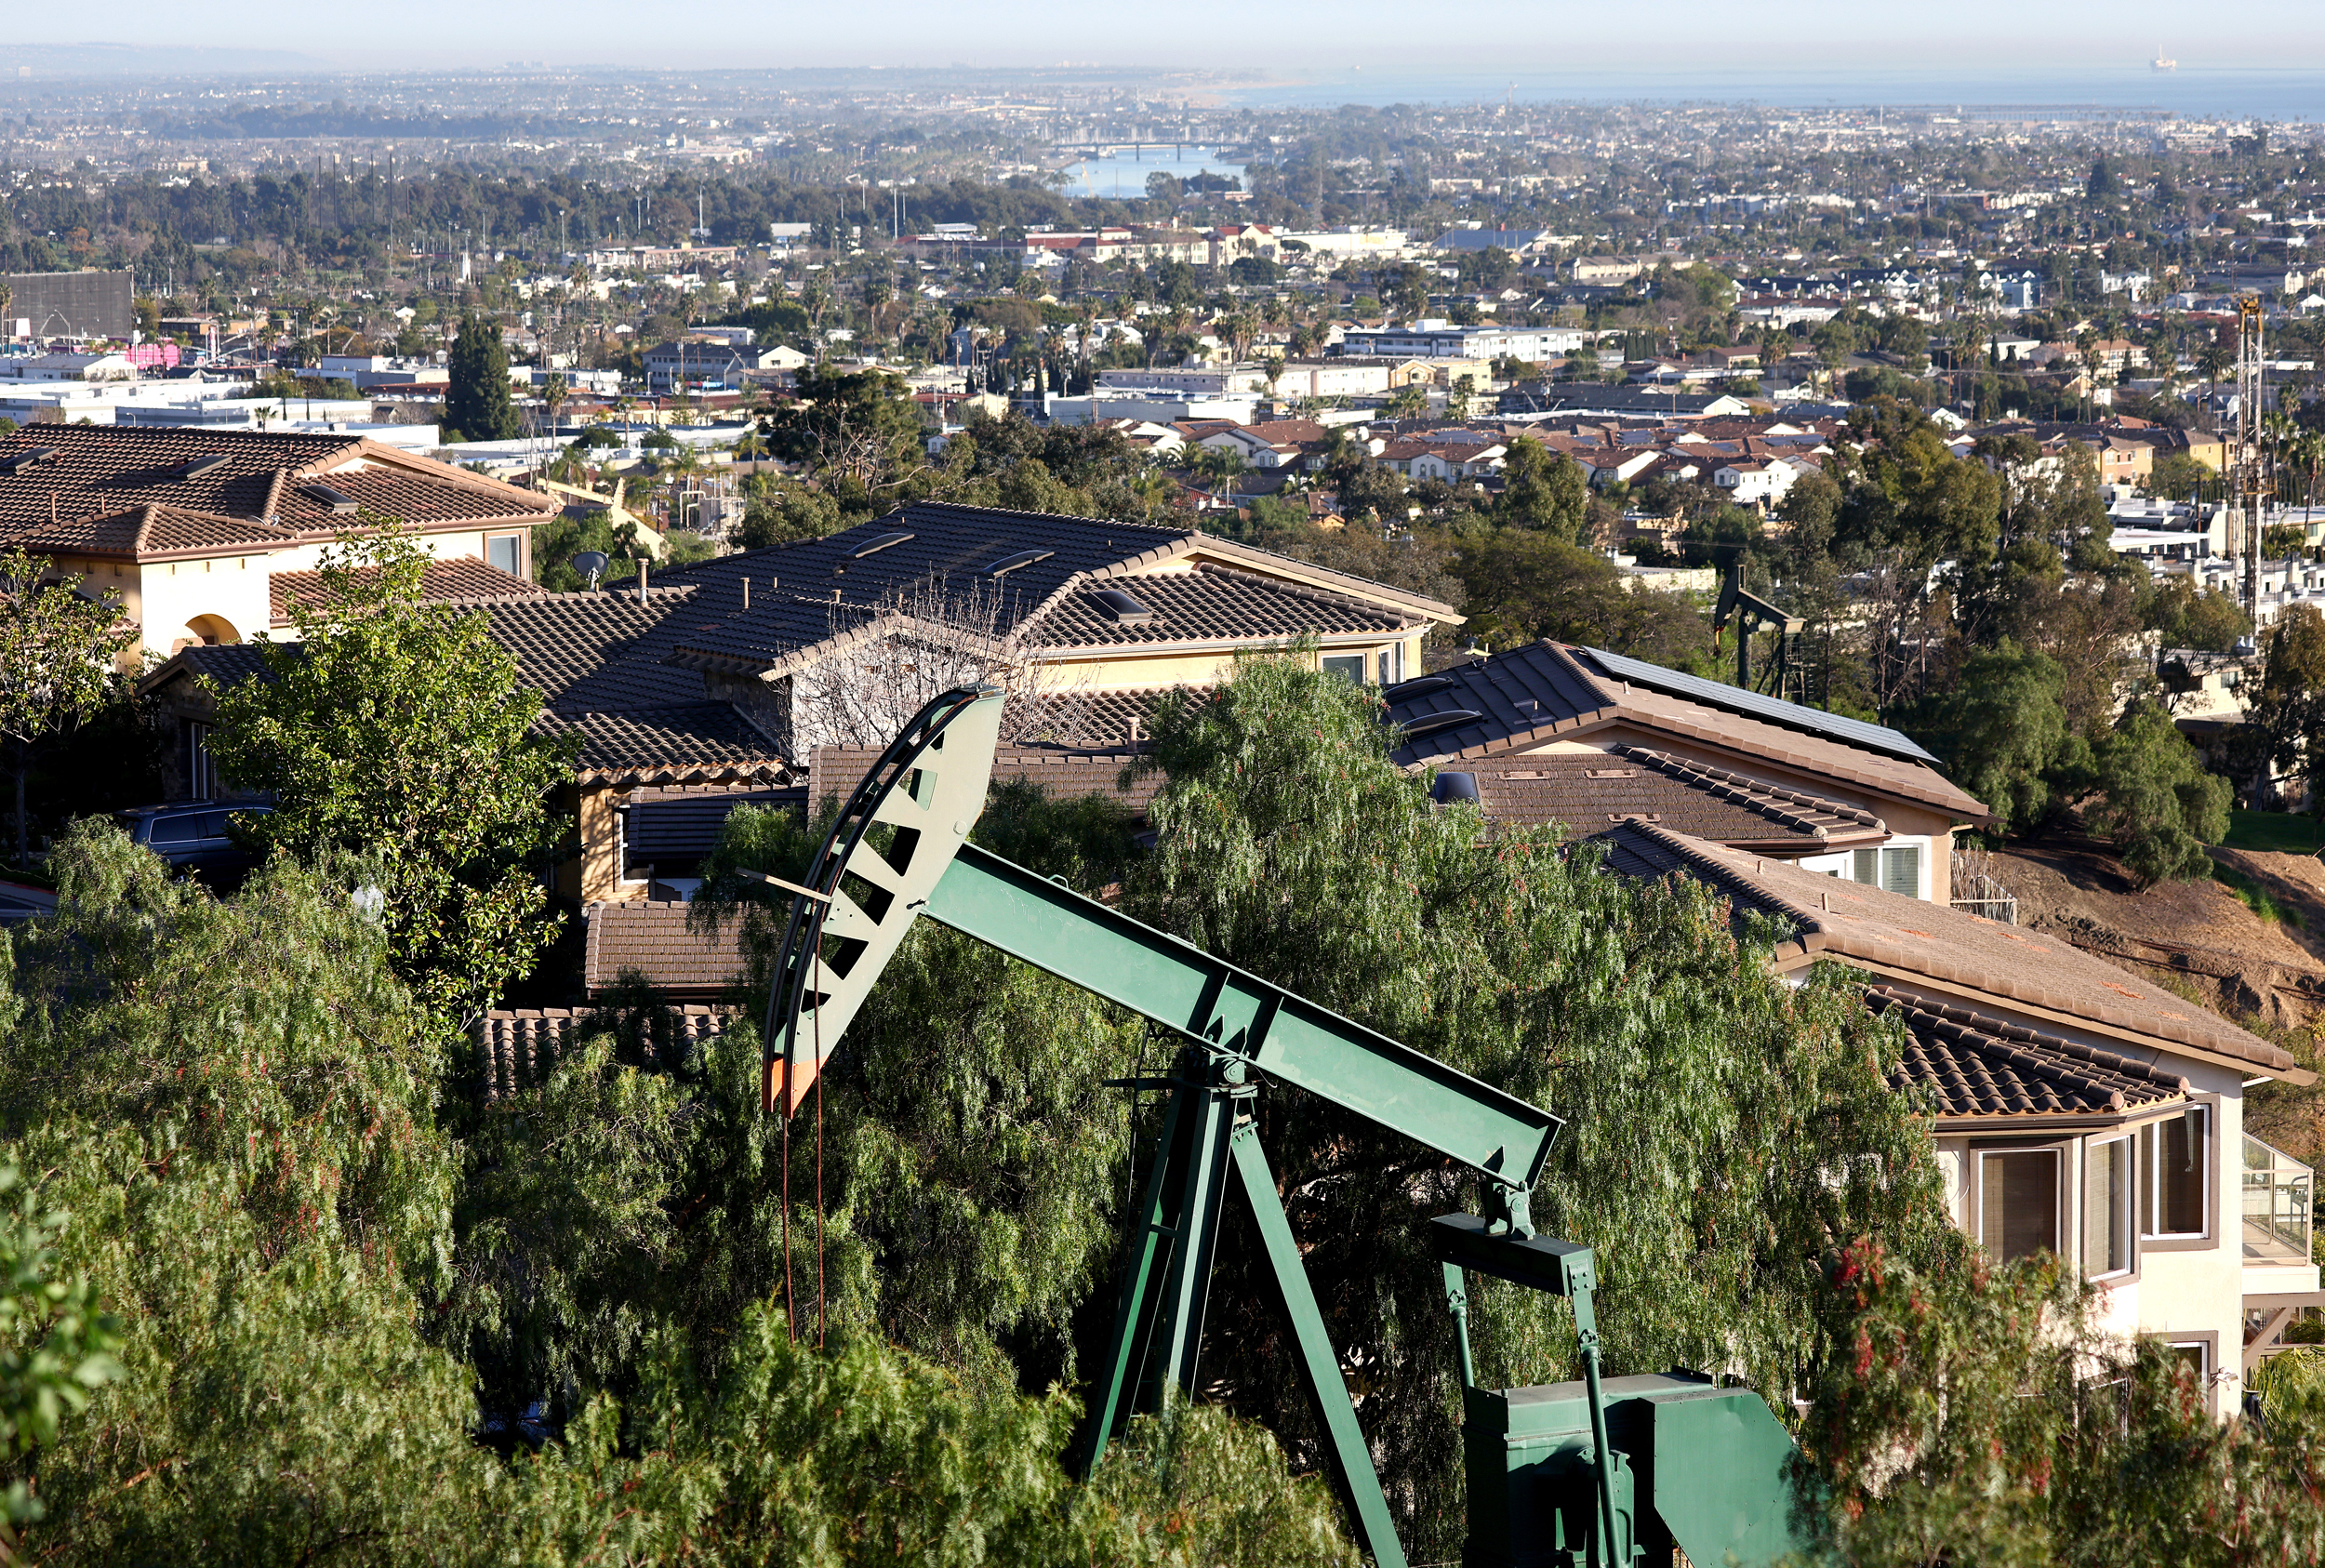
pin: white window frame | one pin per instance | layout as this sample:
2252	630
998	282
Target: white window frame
1364	662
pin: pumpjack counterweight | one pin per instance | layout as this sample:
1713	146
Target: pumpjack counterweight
1589	1499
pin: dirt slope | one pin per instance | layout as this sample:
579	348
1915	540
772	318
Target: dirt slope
2199	932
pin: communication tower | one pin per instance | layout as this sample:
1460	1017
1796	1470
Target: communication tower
2247	482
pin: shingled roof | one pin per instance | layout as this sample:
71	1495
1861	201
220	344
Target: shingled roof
1636	782
1982	1067
163	493
1930	948
1543	692
460	577
669	826
652	938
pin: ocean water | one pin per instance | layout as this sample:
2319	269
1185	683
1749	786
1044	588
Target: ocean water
2194	90
1125	174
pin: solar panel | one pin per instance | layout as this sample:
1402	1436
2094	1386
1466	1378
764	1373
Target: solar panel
1735	699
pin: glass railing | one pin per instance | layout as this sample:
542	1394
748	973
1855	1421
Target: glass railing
2278	1190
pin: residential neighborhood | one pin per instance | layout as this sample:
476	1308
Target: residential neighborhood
1160	815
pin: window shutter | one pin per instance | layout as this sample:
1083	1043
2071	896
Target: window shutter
1868	867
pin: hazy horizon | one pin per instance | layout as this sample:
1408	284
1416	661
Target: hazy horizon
1287	40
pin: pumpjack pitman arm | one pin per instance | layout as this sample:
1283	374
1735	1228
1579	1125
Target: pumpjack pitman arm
857	903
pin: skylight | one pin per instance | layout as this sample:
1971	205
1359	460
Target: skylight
194	468
1022	558
337	501
19	463
1429	724
1420	685
1123	609
875	545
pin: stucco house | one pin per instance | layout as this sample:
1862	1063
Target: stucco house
200	532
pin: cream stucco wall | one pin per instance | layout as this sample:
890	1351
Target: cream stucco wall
164	597
2186	1291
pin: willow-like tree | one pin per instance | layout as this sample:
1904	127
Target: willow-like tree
1724	1129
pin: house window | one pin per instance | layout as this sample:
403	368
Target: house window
1896	868
2018	1202
2174	1160
506	551
1349	667
201	772
2107	1207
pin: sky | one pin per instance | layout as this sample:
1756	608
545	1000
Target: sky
1286	36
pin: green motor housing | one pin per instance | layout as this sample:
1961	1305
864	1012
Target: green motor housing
1698	1466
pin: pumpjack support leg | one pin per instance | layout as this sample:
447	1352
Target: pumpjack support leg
1157	1339
1352	1471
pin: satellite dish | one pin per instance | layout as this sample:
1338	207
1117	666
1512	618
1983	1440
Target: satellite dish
591	564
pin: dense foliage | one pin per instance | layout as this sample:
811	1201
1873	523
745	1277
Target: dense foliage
396	725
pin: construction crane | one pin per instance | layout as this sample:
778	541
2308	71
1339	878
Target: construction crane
1598	1473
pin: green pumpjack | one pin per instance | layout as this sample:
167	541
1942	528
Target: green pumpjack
1565	1475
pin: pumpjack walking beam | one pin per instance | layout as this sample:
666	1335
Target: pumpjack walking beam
860	896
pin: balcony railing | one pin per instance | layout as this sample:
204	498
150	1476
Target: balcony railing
2278	1192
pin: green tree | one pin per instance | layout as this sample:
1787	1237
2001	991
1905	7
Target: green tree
476	401
56	1339
1544	490
856	433
1708	1134
1520	585
396	728
55	649
2001	728
1986	1416
2288	711
2205	620
2154	799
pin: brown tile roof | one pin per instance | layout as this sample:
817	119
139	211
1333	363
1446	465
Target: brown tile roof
166	491
953	546
652	938
1588	793
1097	718
151	533
1977	1065
1063	770
458	577
1546	691
519	1047
599	650
1931	947
674	744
